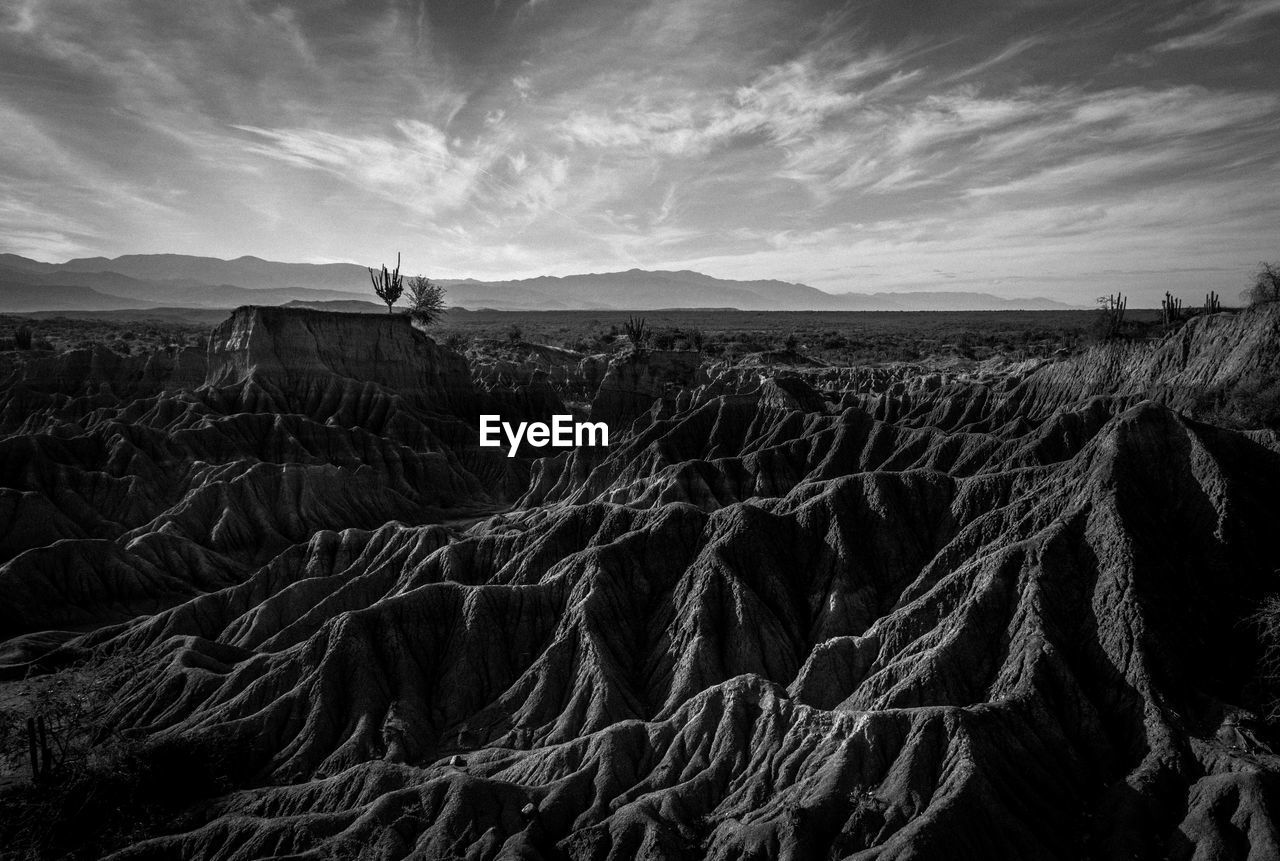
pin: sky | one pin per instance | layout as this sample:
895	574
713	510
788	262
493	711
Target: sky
1021	148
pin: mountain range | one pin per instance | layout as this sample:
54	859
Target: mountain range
148	281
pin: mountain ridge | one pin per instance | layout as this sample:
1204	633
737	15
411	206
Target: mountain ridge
210	282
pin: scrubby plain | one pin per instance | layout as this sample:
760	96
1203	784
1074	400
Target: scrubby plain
910	600
837	337
831	336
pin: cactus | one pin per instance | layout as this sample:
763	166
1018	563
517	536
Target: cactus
1212	304
1112	309
635	331
38	749
33	750
1172	309
388	285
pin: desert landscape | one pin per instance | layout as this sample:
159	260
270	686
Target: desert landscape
268	598
595	430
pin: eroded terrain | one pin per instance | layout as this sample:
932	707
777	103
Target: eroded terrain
795	610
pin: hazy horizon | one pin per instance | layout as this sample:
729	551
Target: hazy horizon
1056	149
360	291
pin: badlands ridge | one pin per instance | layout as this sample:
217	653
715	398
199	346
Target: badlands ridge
791	612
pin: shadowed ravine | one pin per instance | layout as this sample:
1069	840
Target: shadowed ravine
798	613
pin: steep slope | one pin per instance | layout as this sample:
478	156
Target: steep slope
1205	358
129	483
1039	663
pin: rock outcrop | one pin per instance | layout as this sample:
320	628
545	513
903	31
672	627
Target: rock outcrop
132	483
639	379
298	349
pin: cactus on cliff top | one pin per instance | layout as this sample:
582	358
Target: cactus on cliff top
388	285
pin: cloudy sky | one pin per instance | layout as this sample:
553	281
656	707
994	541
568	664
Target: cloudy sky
1025	147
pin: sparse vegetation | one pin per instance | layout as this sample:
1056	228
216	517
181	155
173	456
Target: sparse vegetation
1253	402
64	763
1266	621
1171	308
426	301
636	332
388	285
1110	319
22	337
857	337
1266	284
67	333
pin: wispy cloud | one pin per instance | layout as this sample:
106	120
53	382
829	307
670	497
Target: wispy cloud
1224	23
854	146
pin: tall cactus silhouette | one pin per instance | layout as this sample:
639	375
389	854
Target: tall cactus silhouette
1112	308
388	285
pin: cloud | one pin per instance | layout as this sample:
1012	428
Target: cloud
865	145
426	171
1228	23
783	105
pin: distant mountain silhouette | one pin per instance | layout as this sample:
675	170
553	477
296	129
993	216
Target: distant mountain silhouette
179	280
250	272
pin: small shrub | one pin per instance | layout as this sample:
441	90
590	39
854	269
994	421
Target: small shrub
1266	622
426	301
1253	402
515	334
22	337
1266	284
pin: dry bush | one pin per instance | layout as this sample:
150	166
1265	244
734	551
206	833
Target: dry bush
426	301
91	789
1266	621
